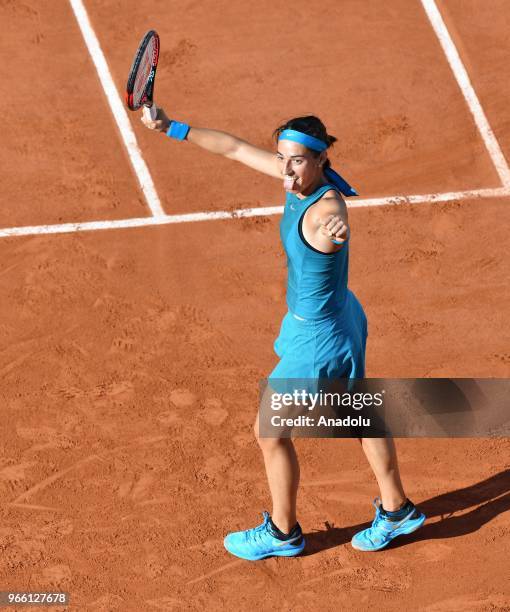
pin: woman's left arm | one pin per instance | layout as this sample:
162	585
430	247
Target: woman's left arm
325	226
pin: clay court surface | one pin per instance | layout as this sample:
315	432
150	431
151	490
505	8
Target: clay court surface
130	358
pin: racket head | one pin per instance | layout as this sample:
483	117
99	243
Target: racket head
140	84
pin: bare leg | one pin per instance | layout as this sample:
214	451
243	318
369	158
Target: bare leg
282	469
382	457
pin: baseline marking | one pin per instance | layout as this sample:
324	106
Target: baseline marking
461	75
117	107
66	228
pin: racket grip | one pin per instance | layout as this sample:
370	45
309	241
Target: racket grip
150	112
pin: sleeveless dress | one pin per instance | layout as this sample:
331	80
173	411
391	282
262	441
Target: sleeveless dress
324	333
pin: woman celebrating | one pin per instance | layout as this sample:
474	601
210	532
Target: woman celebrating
324	333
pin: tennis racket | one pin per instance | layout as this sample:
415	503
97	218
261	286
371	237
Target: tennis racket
140	85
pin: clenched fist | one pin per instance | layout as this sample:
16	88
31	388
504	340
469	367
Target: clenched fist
335	229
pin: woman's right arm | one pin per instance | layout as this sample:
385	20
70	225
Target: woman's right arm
224	144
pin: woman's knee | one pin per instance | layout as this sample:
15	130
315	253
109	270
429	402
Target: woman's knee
265	443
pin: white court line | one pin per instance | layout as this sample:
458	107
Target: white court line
65	228
117	108
460	73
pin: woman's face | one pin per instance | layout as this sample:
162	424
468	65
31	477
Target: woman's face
300	168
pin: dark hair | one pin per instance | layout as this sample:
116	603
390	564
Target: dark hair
310	125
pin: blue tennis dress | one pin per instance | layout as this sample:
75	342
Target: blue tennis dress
324	333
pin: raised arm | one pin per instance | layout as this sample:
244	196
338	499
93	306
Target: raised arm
222	143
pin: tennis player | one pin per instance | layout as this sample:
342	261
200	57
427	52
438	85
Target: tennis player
324	333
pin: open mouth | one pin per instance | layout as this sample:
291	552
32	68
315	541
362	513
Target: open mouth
289	182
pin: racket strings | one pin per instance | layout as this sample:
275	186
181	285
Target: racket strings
142	77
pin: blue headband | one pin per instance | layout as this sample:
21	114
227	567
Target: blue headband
308	141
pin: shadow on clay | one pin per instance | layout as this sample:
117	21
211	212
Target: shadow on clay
491	496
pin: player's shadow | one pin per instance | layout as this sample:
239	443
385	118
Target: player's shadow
491	496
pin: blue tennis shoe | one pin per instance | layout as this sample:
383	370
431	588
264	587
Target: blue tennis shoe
385	527
265	541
